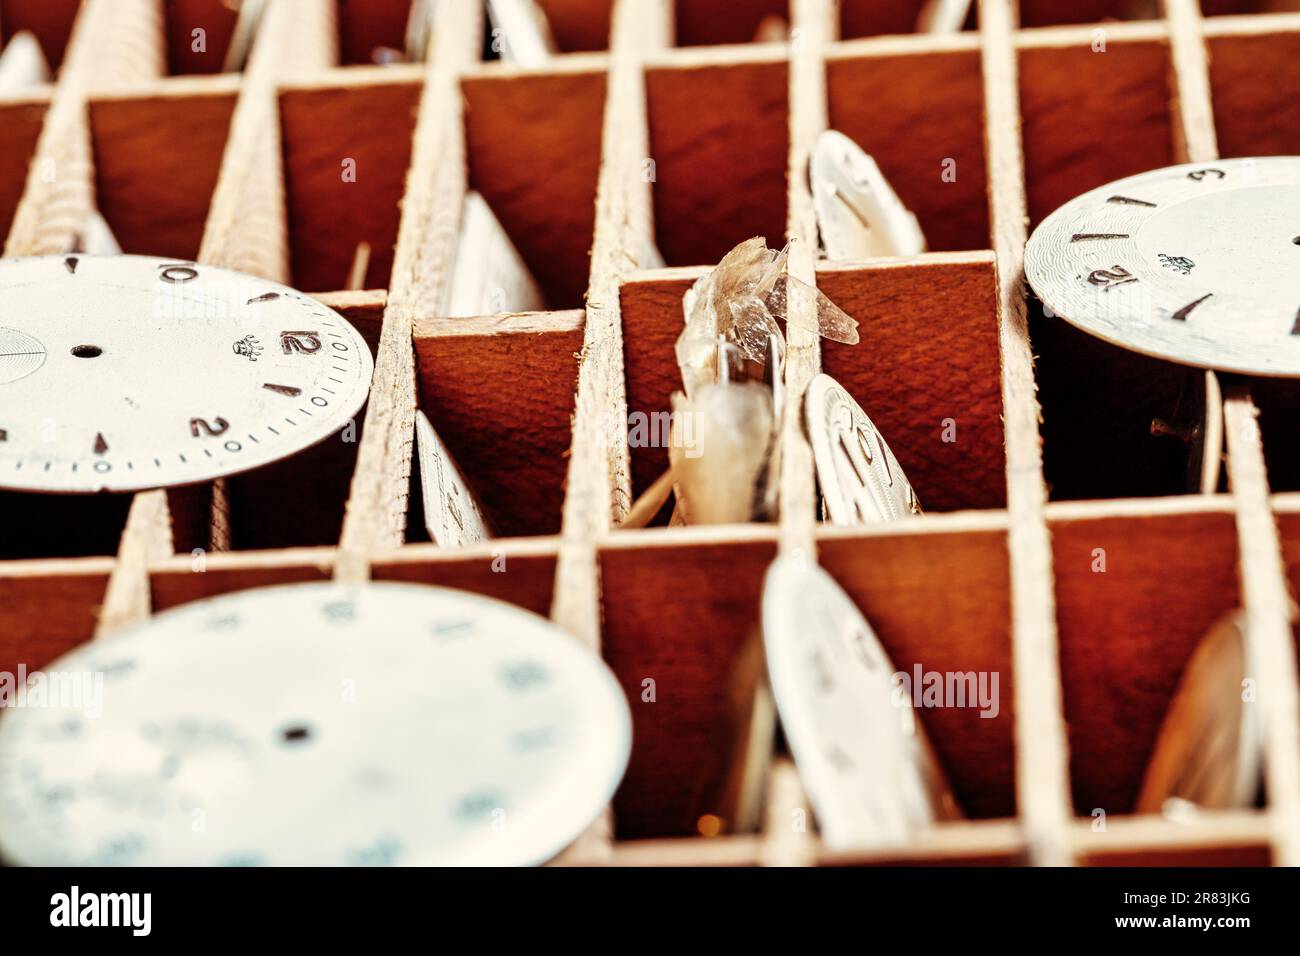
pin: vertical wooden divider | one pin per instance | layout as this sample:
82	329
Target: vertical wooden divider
1266	594
375	519
598	491
245	230
814	26
1042	764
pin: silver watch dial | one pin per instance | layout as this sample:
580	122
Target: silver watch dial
860	479
121	373
1198	264
316	724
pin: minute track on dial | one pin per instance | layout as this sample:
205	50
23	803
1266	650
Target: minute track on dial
125	373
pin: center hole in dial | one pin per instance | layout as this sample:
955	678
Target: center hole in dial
295	734
87	351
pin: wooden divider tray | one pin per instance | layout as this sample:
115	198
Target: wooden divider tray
1053	457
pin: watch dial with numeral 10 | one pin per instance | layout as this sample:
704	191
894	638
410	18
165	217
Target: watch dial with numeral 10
121	373
1197	264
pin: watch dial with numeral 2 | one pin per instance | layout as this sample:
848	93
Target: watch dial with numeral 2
121	373
1197	264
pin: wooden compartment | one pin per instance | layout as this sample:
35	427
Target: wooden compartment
919	116
347	145
509	441
1220	8
579	25
710	122
157	155
866	18
369	29
1135	594
198	35
927	377
704	23
961	626
1044	13
49	20
1067	93
533	143
676	613
694	141
48	607
1087	387
1256	96
947	372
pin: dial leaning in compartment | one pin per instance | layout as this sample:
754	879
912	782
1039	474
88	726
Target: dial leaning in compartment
1198	264
120	373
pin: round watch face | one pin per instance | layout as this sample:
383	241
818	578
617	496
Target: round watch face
315	724
1209	751
862	754
859	216
1198	264
121	373
860	479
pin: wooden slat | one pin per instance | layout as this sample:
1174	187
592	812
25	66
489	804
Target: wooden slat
422	263
599	478
815	21
1194	135
1042	775
1270	607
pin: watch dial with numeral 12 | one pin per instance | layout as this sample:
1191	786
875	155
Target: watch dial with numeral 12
315	725
1198	264
120	373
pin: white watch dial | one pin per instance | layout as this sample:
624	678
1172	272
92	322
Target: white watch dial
121	373
1198	264
317	724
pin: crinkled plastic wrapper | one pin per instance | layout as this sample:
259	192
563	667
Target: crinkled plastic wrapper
742	302
722	437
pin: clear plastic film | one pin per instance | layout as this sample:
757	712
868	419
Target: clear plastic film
726	423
